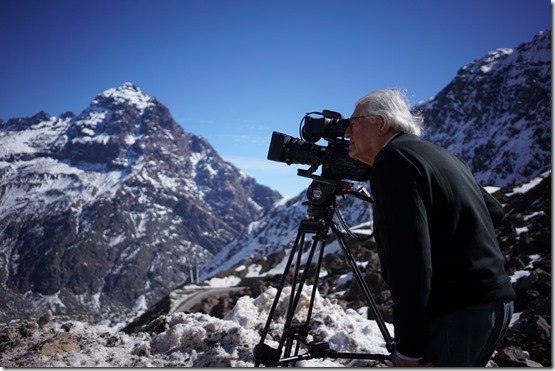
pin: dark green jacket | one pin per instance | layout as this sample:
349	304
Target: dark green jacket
434	230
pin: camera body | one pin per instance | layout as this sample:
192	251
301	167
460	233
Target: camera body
334	158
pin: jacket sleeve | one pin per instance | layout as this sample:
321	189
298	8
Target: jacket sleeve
495	209
401	230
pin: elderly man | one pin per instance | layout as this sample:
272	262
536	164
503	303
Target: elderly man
434	228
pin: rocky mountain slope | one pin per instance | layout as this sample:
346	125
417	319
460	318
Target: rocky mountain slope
111	209
496	113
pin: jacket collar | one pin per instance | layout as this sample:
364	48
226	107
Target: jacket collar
393	137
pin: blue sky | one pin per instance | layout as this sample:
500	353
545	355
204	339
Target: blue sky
234	71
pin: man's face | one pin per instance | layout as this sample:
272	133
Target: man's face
365	138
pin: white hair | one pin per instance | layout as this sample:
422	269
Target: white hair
392	106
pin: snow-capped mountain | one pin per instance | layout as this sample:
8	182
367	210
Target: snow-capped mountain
112	208
495	113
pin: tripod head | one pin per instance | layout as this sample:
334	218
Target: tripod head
322	194
322	189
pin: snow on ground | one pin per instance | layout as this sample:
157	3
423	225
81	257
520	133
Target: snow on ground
188	340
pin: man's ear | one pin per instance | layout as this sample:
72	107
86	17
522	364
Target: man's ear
383	128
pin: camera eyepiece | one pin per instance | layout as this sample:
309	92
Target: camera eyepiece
332	125
315	129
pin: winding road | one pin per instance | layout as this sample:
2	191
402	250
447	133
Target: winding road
192	299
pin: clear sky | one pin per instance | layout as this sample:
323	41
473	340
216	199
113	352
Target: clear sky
234	71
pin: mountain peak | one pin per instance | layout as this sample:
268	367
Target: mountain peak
498	97
128	94
122	199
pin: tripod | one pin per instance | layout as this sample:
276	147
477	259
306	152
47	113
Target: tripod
321	206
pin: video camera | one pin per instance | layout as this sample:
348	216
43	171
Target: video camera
335	160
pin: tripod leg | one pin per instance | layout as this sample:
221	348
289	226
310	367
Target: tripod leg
296	274
316	276
297	296
297	247
291	306
301	333
263	353
390	344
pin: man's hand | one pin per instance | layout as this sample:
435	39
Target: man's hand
401	362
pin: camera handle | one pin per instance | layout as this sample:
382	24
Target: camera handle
319	223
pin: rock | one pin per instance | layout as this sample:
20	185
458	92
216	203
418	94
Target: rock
142	349
45	319
60	343
28	329
68	326
537	327
513	356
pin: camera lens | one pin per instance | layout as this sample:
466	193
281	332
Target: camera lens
284	148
